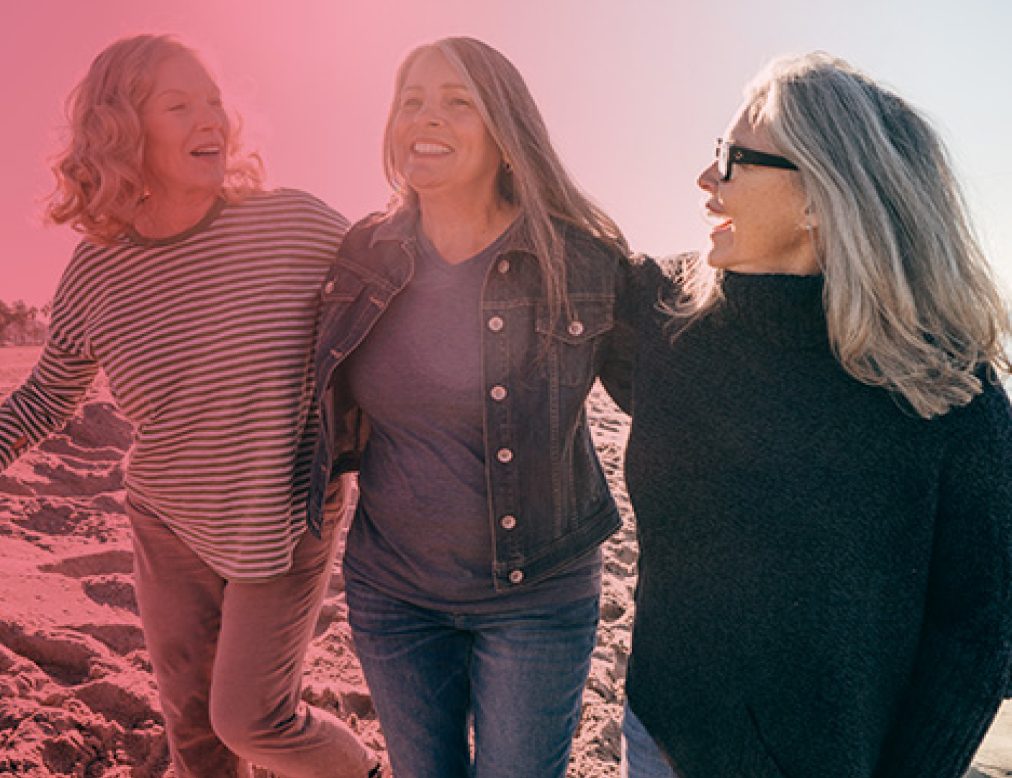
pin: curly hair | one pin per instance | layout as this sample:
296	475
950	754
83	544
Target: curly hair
99	173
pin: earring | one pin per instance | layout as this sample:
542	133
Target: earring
506	165
808	226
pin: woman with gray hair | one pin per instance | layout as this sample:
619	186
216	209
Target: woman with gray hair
462	330
820	458
196	291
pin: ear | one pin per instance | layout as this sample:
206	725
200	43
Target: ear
809	220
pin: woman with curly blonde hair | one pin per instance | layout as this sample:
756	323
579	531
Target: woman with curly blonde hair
196	291
820	457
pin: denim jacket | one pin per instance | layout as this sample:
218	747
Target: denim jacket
548	502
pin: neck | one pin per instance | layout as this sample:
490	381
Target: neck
461	227
163	213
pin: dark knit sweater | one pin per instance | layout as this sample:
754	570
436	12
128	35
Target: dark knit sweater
824	576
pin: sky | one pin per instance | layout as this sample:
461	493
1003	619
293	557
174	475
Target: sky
633	91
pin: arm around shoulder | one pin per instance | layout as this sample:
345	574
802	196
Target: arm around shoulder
641	283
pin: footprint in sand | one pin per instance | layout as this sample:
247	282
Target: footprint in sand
60	479
115	589
117	560
122	638
68	656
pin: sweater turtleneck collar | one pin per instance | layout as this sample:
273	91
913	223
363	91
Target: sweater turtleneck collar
785	309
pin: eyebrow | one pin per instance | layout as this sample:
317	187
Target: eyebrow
446	85
173	91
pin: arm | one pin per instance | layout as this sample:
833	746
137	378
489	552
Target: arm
619	351
641	282
44	401
962	666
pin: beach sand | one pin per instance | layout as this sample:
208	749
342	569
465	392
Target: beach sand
76	692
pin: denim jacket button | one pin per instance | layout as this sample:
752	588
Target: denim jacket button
503	266
516	576
504	455
509	521
575	328
498	392
496	323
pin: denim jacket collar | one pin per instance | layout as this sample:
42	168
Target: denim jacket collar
399	226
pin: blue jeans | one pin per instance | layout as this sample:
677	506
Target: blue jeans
517	677
641	758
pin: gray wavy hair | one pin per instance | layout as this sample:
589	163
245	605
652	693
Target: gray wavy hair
911	302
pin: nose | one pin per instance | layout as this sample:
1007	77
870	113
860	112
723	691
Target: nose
709	178
428	113
430	117
212	116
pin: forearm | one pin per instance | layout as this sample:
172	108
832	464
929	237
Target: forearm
43	402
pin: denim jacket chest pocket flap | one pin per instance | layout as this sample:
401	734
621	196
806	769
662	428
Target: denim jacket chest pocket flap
340	286
573	336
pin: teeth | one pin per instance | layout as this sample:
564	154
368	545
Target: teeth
206	150
430	148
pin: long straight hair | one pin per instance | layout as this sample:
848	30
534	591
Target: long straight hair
911	302
99	173
535	179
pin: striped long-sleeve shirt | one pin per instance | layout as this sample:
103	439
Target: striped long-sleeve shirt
206	339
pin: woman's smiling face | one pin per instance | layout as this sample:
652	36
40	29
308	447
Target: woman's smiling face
762	224
185	129
440	141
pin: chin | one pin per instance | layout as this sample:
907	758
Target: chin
718	259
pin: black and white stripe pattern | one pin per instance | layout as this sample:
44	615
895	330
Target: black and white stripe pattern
207	343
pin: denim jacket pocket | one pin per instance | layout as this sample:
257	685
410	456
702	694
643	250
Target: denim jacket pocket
572	340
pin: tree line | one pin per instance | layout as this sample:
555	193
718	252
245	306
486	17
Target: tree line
22	324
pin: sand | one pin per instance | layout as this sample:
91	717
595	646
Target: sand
76	692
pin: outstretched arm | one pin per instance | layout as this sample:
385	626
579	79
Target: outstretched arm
44	401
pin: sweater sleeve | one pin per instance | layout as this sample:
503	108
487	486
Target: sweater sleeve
962	665
619	347
642	282
44	401
62	375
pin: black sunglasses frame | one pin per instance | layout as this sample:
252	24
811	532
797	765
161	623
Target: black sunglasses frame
741	155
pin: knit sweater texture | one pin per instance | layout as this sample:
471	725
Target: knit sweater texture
824	576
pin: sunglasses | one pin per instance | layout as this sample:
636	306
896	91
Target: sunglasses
728	155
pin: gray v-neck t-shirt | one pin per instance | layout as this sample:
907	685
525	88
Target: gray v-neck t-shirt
421	532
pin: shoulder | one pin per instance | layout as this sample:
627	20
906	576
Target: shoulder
92	259
582	247
656	278
980	432
364	233
290	204
989	410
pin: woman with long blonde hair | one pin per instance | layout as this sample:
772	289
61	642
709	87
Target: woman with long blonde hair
820	458
196	292
461	332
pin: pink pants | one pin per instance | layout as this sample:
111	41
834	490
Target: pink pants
228	660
